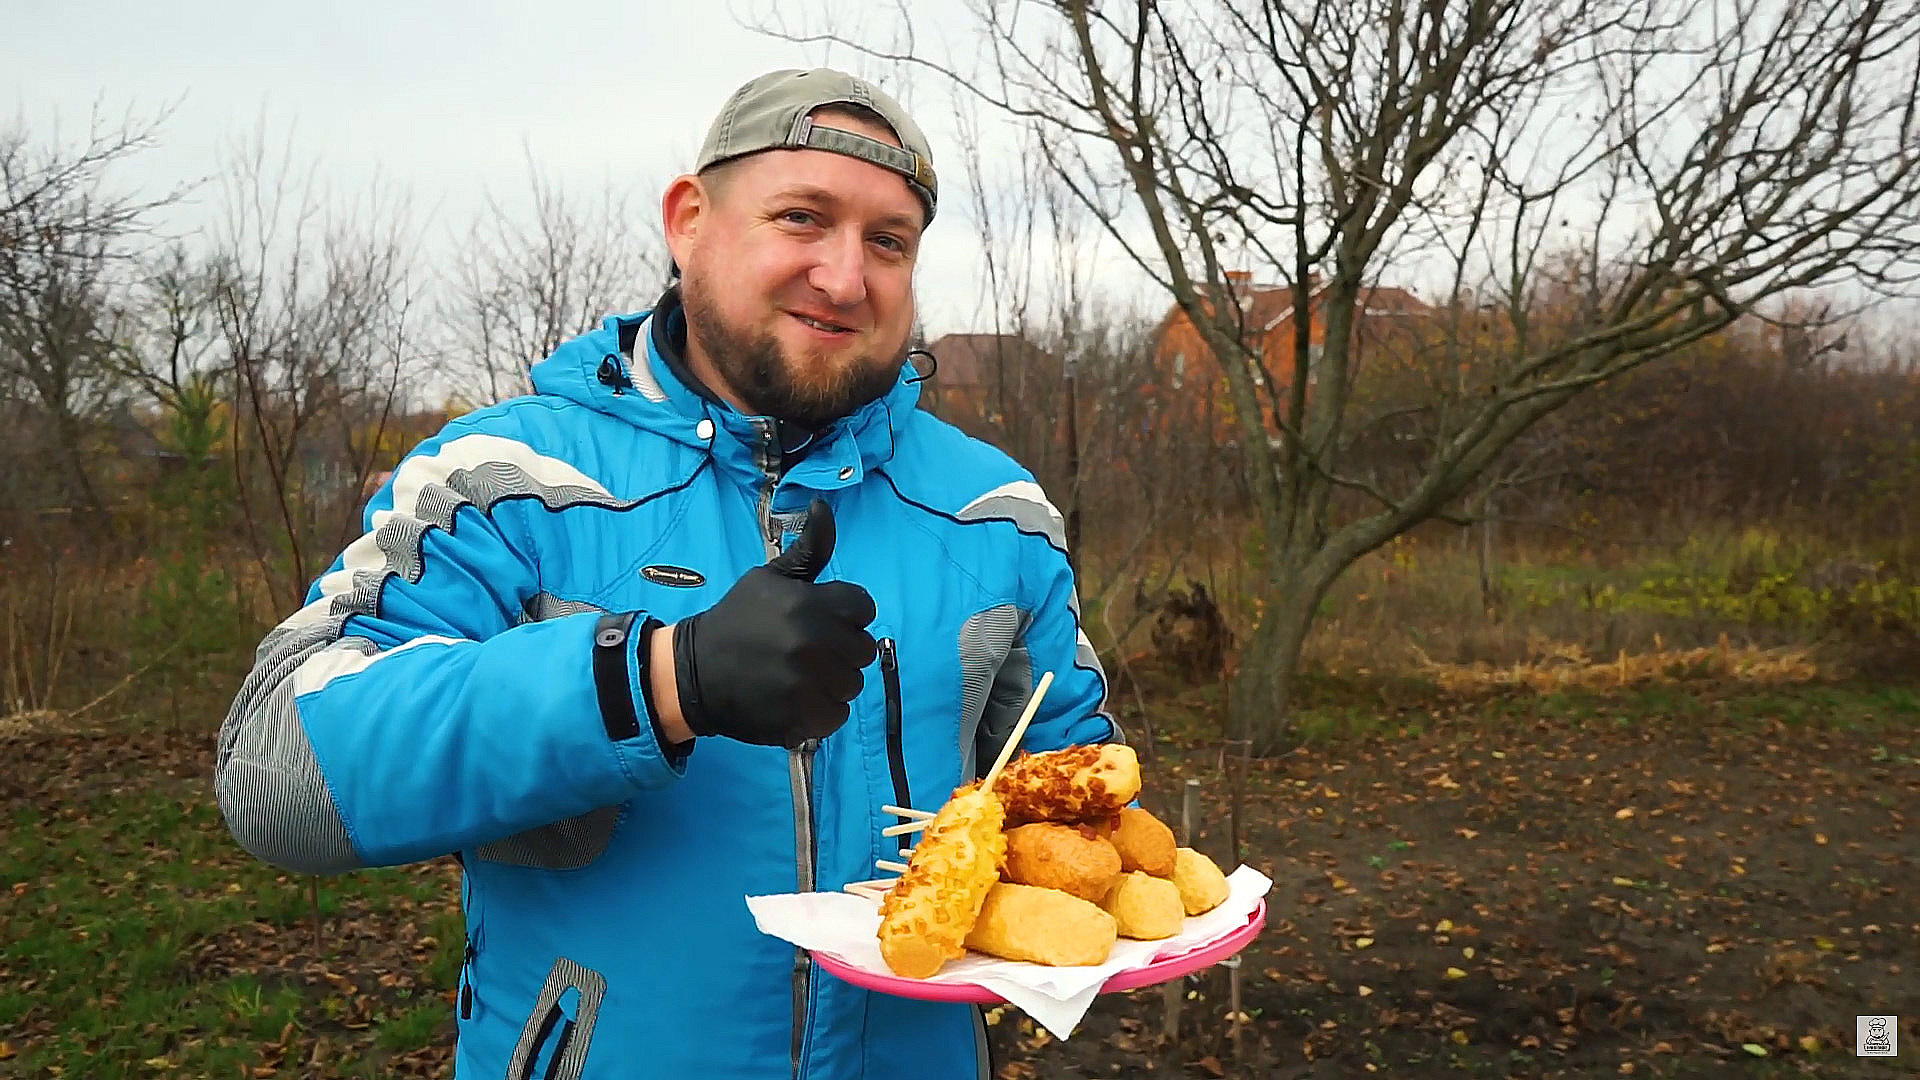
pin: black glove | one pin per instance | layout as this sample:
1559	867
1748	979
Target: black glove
777	659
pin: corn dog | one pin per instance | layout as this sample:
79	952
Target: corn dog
1042	926
1072	859
925	917
1145	907
1074	784
1143	841
1202	886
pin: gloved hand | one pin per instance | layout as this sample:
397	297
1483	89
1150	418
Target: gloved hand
776	661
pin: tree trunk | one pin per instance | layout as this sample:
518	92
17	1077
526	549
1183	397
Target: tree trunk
73	462
1263	683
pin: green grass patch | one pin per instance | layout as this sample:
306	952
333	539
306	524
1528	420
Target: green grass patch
136	940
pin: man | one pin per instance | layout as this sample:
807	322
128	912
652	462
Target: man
671	630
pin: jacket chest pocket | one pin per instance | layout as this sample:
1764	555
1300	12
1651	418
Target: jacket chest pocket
935	740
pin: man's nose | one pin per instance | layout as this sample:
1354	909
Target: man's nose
841	272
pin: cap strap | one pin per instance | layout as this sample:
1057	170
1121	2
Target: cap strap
905	162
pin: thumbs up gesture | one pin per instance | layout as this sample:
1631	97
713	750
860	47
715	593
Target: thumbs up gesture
776	661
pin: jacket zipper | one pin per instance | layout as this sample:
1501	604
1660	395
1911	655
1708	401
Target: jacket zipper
896	751
470	950
799	766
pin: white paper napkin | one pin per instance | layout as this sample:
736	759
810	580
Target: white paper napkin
843	926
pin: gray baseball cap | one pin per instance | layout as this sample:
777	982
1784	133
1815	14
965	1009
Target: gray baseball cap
775	112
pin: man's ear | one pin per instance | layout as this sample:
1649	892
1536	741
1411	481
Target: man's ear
683	209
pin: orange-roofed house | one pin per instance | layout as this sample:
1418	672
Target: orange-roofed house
1189	387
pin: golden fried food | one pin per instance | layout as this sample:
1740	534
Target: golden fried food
1145	907
1075	784
1202	886
1042	926
925	917
1143	841
1073	859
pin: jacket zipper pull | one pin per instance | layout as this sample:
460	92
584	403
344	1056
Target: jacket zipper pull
466	980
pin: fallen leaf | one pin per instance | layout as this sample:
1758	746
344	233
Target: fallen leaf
1364	991
1755	1049
1459	1037
1809	1043
1443	926
1455	973
1362	942
1820	838
1623	813
1211	1065
1467	952
1625	883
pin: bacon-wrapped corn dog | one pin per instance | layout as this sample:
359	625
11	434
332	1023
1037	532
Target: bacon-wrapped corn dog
925	917
1074	784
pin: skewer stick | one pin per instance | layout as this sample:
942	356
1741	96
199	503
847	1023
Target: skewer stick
1019	729
875	888
891	865
907	812
906	827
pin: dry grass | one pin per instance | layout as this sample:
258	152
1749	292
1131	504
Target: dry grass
1560	666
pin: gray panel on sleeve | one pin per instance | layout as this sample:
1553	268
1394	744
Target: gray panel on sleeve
269	787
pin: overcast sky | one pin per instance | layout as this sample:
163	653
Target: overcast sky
445	99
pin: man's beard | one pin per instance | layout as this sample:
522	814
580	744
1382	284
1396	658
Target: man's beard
757	369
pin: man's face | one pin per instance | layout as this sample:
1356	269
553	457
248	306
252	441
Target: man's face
797	275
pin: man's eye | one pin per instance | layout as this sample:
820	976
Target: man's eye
800	217
891	243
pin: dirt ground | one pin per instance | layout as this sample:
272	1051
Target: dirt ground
1712	889
1613	895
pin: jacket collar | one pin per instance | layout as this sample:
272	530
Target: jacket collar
652	390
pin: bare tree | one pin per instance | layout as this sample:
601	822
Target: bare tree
520	287
312	300
65	234
1693	157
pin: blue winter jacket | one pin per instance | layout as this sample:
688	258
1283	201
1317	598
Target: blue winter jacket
442	692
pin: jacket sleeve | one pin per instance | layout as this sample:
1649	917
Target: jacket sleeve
1050	637
409	709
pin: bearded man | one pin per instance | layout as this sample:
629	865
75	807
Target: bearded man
672	629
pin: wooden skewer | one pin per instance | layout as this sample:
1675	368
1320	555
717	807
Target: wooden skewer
921	818
875	888
1019	729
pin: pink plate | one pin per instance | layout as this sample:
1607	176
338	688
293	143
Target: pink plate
1156	971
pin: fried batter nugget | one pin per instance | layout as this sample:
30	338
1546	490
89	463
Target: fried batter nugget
1143	841
1073	859
1042	926
1145	907
1074	784
1202	886
925	917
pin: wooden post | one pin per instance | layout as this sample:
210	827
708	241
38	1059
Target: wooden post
1175	993
1238	787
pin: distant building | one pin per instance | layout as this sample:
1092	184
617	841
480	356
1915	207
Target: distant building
1188	383
977	375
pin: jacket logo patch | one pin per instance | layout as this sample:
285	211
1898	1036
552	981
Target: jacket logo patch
677	576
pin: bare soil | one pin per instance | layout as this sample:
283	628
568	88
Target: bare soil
1717	893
